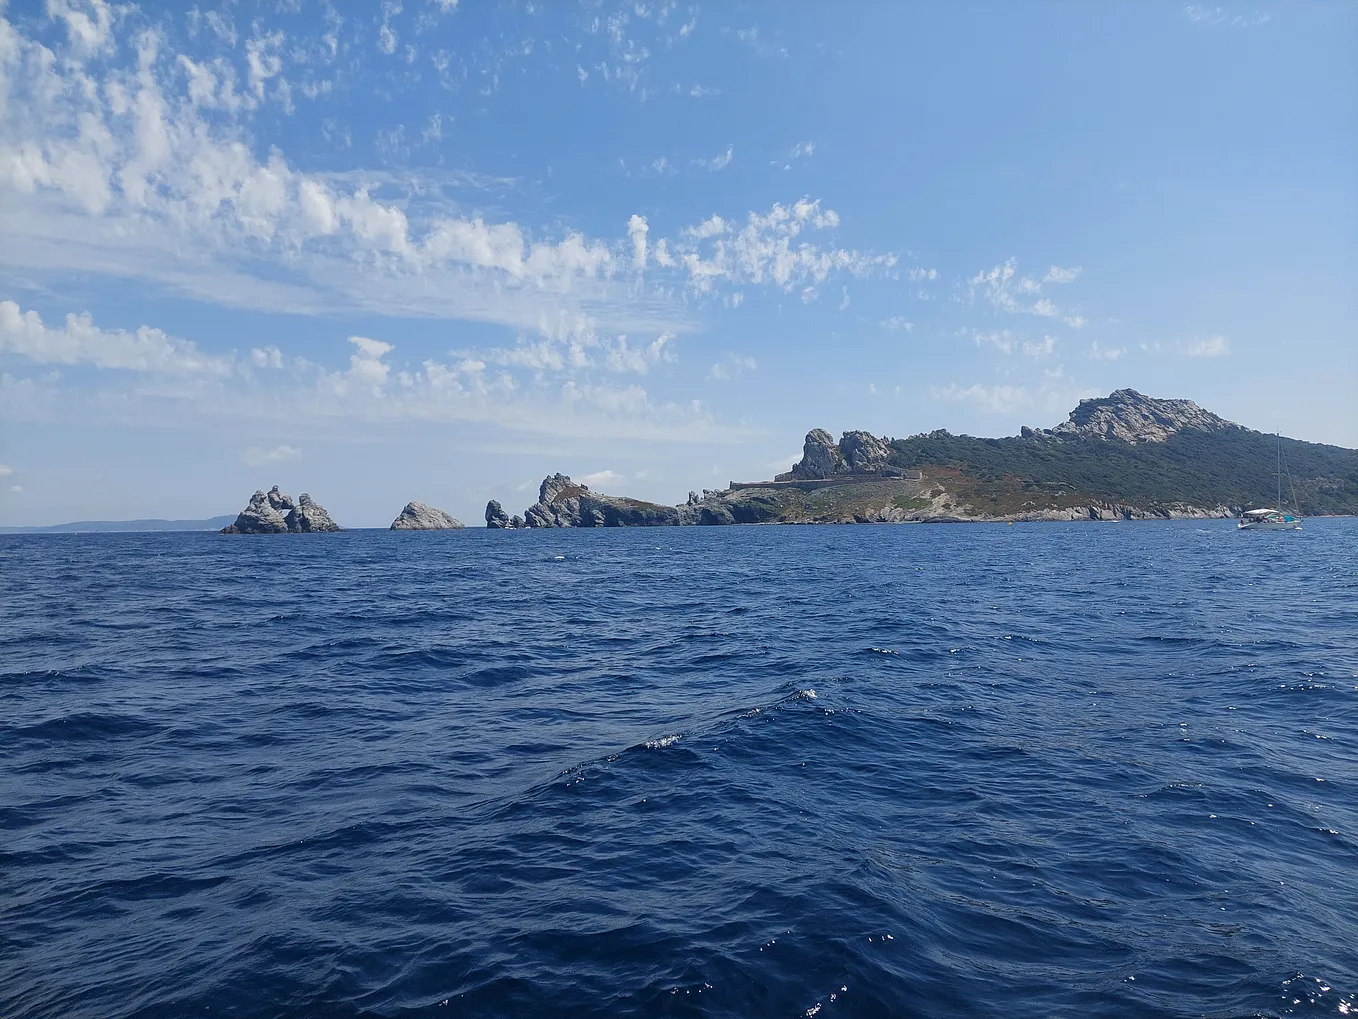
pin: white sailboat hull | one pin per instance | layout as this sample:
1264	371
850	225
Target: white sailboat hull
1268	525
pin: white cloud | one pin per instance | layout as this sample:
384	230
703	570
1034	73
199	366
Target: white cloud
622	359
266	357
898	324
1002	340
918	274
5	471
80	341
1039	349
1058	275
1097	353
637	230
763	251
995	399
733	366
1202	14
1005	290
1211	346
257	457
720	161
600	479
16	488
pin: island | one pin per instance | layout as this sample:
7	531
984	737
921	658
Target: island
1125	456
265	515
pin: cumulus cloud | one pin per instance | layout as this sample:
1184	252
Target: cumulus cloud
80	341
769	248
600	480
5	471
1098	353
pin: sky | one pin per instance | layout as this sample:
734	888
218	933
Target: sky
437	249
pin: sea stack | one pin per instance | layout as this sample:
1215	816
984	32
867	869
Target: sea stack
496	517
265	515
419	517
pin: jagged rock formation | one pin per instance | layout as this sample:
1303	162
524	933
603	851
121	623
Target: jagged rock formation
418	517
264	515
855	453
1129	416
496	517
565	503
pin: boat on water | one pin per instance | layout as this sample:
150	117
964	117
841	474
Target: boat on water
1268	520
1273	519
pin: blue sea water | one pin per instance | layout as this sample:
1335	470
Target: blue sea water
1031	771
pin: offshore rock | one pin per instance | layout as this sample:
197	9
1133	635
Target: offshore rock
419	517
565	503
1132	417
310	516
264	515
496	517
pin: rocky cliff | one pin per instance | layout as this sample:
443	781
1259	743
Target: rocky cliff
418	517
266	514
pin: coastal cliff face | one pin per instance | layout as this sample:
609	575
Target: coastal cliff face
418	517
265	515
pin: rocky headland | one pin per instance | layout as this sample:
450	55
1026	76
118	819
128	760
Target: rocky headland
1125	456
418	517
272	512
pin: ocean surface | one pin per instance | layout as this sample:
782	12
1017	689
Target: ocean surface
1030	771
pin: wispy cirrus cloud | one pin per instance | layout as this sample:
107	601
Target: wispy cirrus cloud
1005	290
1208	14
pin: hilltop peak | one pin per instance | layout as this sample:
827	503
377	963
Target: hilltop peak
1130	416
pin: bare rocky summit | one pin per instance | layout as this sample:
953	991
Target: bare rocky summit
265	515
1129	416
418	517
855	453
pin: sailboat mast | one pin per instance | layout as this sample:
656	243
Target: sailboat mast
1279	503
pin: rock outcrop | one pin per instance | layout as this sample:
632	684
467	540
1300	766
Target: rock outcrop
264	515
855	453
496	517
418	517
1129	416
565	503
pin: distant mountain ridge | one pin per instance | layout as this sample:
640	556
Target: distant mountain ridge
209	524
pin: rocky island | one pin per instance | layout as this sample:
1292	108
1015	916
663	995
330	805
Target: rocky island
418	517
265	515
1122	457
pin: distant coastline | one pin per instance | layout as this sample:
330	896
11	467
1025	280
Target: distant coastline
125	526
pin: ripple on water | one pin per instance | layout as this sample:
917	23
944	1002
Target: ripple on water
752	771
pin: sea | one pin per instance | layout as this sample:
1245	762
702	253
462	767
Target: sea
1028	771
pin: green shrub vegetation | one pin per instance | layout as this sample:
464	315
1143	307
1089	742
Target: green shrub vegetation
1231	467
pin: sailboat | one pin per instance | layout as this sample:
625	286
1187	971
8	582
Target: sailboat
1273	519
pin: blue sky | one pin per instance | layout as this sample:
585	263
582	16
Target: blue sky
434	250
